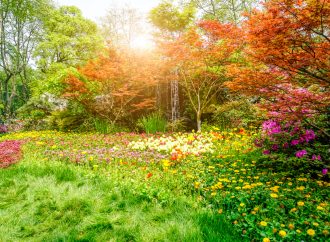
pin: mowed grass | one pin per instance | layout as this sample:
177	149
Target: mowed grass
57	201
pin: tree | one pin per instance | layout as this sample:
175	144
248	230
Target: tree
114	86
288	49
20	29
201	56
120	25
225	11
171	19
69	39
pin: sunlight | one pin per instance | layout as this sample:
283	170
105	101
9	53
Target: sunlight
142	41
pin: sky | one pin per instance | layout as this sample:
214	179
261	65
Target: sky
94	9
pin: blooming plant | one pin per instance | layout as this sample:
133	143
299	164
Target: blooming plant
290	144
10	152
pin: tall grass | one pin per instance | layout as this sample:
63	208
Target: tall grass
153	123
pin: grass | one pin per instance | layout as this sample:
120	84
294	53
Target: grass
56	201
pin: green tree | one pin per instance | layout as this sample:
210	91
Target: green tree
19	34
69	39
227	11
170	18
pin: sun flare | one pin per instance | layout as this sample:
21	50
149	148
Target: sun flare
142	41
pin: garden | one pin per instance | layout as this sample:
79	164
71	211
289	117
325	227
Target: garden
219	132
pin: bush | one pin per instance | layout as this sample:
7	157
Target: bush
66	120
176	125
34	114
238	113
153	123
292	147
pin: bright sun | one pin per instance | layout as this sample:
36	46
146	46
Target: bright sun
142	41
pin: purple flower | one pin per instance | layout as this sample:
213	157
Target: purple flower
275	147
301	153
258	143
324	171
316	157
309	135
266	152
295	142
271	127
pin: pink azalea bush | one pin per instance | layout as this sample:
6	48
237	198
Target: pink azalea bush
293	144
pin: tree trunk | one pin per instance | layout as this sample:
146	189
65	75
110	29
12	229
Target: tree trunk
199	121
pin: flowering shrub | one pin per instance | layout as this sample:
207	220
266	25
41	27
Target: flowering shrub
293	143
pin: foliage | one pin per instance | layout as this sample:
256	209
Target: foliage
224	10
176	125
236	113
298	147
152	123
66	120
286	43
69	39
168	17
114	86
19	33
200	57
34	113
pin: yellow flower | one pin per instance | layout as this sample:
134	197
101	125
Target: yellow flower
311	232
242	204
298	231
300	203
274	195
253	212
282	233
325	232
263	223
213	193
291	226
282	225
319	208
293	210
266	240
301	188
315	224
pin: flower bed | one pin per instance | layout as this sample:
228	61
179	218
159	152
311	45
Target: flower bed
10	152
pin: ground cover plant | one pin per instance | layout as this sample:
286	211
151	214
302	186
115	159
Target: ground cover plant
164	176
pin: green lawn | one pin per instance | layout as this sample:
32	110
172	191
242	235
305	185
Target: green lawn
58	201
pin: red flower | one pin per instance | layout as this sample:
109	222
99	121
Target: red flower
149	175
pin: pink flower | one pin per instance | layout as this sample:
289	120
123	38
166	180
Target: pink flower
295	142
324	171
301	153
266	152
316	157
